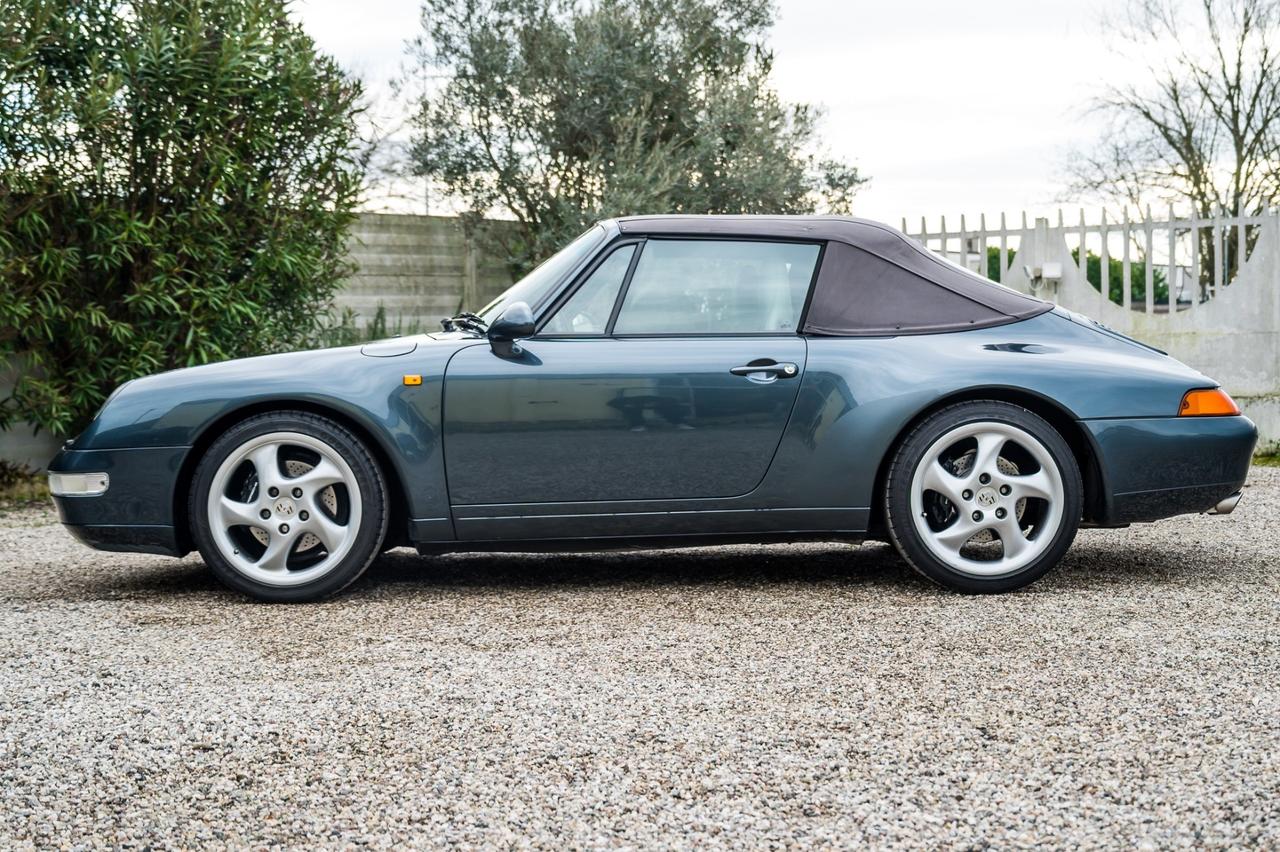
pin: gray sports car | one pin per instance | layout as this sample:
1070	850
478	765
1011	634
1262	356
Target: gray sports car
667	381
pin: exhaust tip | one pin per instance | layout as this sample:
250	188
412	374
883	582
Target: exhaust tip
1227	505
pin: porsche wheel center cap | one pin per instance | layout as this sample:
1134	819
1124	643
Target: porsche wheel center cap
988	497
283	507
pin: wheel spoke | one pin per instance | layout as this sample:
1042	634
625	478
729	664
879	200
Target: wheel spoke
330	533
266	461
954	537
989	446
233	513
1011	538
323	474
1036	484
276	556
939	479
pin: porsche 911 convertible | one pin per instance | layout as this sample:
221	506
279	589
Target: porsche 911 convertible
671	381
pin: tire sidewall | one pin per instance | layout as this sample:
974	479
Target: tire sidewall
369	481
910	454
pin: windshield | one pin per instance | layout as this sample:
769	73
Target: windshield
538	284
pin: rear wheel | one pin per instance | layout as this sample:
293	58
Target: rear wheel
983	497
288	506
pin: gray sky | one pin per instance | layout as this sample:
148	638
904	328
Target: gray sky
952	108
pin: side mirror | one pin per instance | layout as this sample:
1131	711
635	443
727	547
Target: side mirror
515	321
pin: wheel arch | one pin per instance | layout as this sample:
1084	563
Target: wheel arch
398	520
1096	504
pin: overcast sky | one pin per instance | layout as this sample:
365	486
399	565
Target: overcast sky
950	107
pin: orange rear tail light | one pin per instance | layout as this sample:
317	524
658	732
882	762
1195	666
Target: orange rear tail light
1212	402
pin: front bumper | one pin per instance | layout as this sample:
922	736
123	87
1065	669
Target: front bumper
130	538
138	510
1158	467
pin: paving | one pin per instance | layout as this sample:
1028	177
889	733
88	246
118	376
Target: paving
740	696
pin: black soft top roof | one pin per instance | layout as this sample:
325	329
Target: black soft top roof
873	281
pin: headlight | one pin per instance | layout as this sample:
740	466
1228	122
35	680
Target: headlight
78	484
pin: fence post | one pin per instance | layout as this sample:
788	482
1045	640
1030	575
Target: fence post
1149	229
1104	265
1126	265
1242	234
470	286
982	245
1004	249
1194	222
1172	274
1217	253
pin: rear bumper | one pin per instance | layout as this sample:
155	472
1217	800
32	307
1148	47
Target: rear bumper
1158	467
137	511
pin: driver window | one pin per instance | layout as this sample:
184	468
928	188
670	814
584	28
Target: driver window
588	310
717	287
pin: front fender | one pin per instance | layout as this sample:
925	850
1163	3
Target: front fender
186	409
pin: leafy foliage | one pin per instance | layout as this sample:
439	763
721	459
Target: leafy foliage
1115	278
177	179
560	112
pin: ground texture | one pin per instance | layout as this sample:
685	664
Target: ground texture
739	696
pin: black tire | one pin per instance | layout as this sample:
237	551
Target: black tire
910	453
369	535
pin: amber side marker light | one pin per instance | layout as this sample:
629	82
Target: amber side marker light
1212	402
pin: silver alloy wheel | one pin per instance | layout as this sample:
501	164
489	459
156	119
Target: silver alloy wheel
990	495
305	511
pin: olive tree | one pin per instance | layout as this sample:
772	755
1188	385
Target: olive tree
177	178
558	112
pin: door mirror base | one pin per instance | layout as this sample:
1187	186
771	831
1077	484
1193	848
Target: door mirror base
505	348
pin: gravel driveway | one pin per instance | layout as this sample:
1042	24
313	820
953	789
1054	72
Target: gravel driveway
735	696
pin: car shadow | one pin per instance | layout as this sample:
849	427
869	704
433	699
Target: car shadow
739	566
1097	564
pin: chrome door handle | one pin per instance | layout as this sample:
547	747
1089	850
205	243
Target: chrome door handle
785	370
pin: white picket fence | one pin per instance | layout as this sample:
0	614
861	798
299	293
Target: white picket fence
1181	249
1205	290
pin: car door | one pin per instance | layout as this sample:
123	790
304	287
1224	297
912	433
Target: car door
669	372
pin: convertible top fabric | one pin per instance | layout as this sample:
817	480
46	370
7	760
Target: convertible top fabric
874	281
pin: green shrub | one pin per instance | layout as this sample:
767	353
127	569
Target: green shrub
176	183
1115	278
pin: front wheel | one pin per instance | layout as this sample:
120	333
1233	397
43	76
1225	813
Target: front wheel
288	507
983	497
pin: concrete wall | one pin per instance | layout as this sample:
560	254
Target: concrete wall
23	445
419	269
